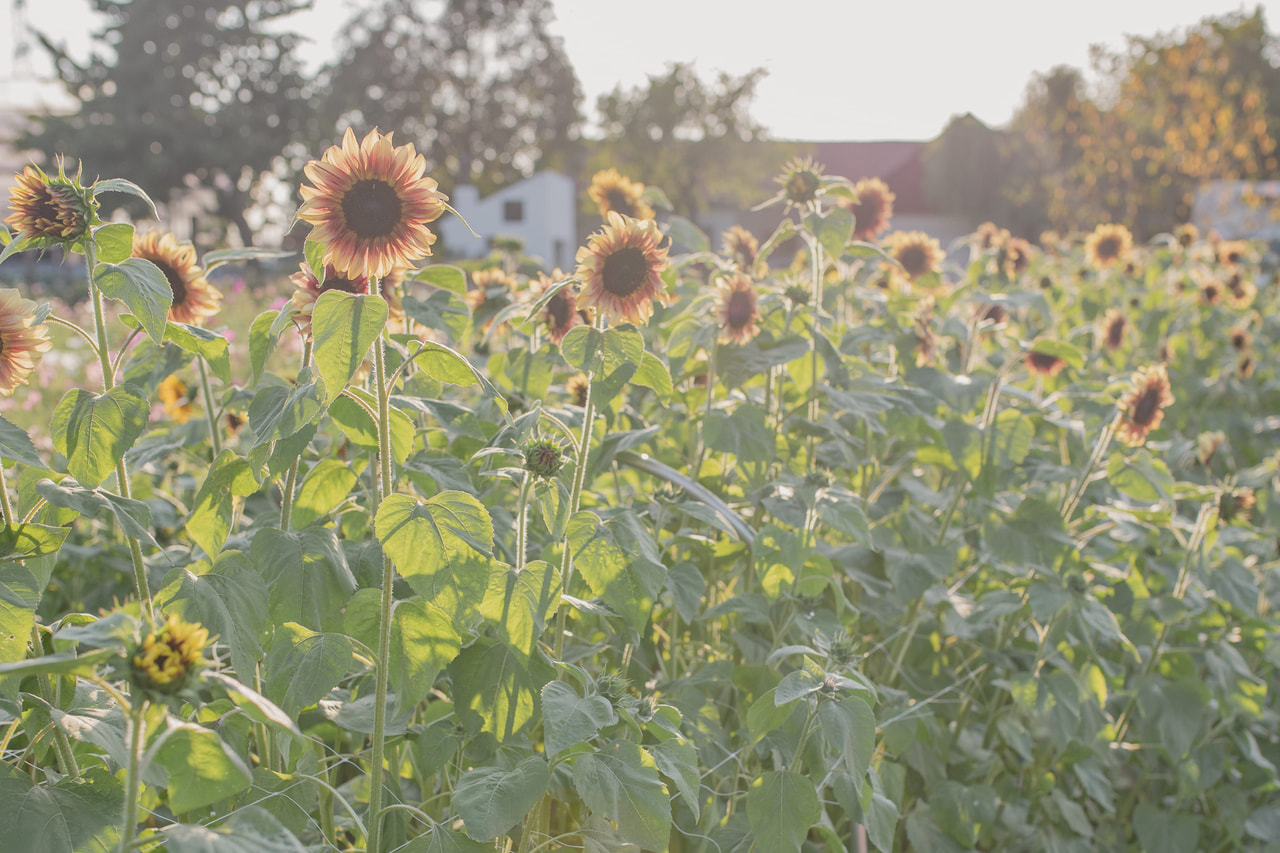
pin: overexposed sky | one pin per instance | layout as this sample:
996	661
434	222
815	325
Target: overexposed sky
837	69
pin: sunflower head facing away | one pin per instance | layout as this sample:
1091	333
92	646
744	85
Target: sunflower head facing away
611	190
165	660
873	208
194	299
50	209
801	179
916	252
621	269
1142	409
1208	444
737	308
1108	245
740	246
1240	337
307	289
370	205
21	340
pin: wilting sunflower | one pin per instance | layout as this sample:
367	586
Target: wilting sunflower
916	251
1236	504
50	209
738	309
611	190
801	179
873	208
194	299
166	659
561	313
1108	245
621	269
370	205
1186	234
1113	326
21	341
1044	363
1142	409
577	387
307	289
1241	291
175	395
1240	337
741	247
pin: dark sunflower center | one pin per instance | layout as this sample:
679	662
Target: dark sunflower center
341	282
914	261
176	283
1237	341
621	202
624	272
866	213
46	209
1043	361
558	311
740	309
1115	333
372	209
1108	248
1146	406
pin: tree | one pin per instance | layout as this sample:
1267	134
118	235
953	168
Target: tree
481	87
180	94
964	169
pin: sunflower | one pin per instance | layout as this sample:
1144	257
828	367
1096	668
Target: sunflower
194	299
1107	245
1246	365
1113	327
1240	290
165	660
1050	241
370	205
737	307
561	313
915	251
1015	256
1240	337
177	401
741	247
1232	252
1210	290
307	289
873	208
1186	234
1143	407
610	190
1236	504
621	269
49	209
990	236
21	341
1044	364
577	386
801	179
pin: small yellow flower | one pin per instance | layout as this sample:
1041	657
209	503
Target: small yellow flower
177	404
165	659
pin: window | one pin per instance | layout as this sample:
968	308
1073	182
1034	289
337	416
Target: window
513	211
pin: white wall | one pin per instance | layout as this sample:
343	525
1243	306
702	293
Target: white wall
547	228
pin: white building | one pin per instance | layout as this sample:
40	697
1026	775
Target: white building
1239	210
539	210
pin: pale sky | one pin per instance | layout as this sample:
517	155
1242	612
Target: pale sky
837	69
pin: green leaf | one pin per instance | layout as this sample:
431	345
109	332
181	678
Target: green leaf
259	708
607	568
685	233
306	574
19	597
621	783
325	486
229	477
568	719
12	247
678	761
228	597
213	260
120	185
447	365
94	431
202	769
581	347
134	517
444	311
344	326
16	444
1182	709
652	373
521	603
493	689
1013	435
261	343
1060	349
444	276
1168	833
441	839
114	242
440	546
313	252
65	818
210	346
423	642
491	800
63	663
362	429
23	541
141	285
1142	476
781	806
833	230
279	411
962	812
302	666
248	829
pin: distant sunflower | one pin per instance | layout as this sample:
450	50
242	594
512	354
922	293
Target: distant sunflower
1246	365
307	289
50	209
1210	290
801	179
1236	504
916	251
21	341
1113	326
1108	245
561	312
576	386
989	236
621	269
175	396
611	190
1241	338
194	299
1044	364
1051	241
873	208
1241	291
1015	256
370	205
738	309
1186	234
1232	252
1208	444
1143	407
741	247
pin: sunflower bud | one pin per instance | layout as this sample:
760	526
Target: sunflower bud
51	210
612	686
1236	504
165	660
543	458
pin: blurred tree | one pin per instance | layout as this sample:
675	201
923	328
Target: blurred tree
964	171
690	138
178	94
481	87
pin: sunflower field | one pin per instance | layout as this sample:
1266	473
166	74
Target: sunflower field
833	539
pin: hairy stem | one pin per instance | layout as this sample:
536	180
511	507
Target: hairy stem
210	413
133	775
291	479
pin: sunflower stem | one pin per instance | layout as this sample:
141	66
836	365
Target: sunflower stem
66	758
4	497
67	324
818	264
210	414
711	393
388	579
122	473
1077	489
291	479
133	776
522	521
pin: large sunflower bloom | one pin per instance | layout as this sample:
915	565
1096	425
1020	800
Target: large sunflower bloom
738	310
1143	407
872	209
916	251
611	190
1108	245
621	269
307	289
50	209
21	342
370	205
194	299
